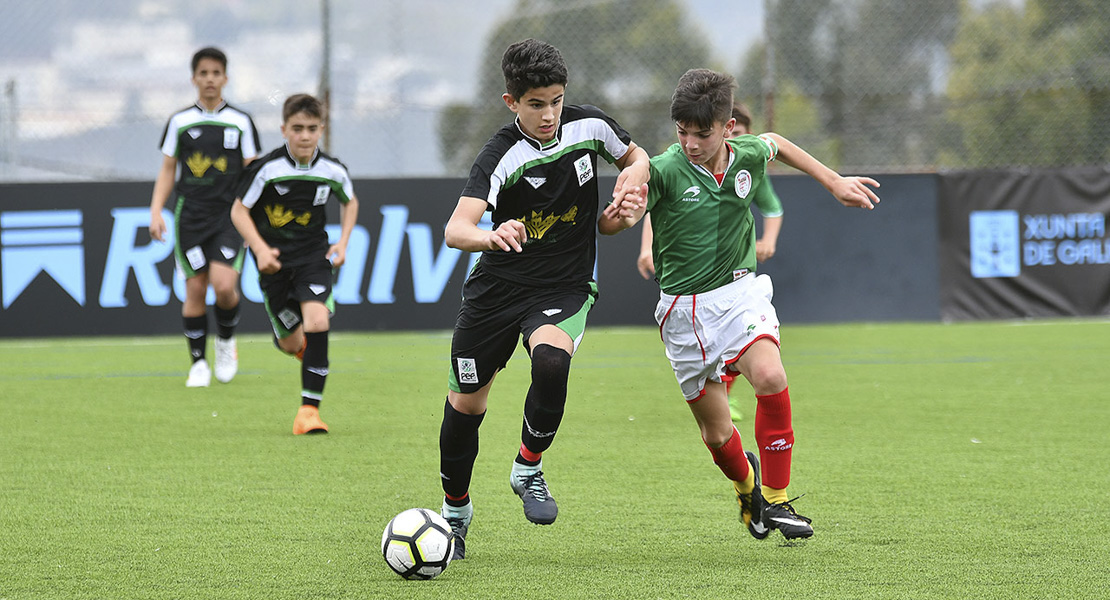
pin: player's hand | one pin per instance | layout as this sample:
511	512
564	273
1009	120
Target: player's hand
509	236
267	260
157	226
853	191
628	203
646	265
765	249
337	254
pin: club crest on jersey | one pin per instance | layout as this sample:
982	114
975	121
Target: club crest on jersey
743	183
231	138
322	193
585	170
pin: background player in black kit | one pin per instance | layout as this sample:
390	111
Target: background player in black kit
212	142
281	214
534	279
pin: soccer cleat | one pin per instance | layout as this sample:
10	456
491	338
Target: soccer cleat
199	374
528	483
459	520
308	421
752	506
227	359
782	516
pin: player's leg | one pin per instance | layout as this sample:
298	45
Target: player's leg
314	367
761	364
711	412
484	338
194	318
224	278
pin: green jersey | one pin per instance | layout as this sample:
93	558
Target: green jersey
704	232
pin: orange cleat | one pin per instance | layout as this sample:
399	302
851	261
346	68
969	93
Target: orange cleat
308	421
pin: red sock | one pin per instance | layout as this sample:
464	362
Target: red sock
730	458
775	436
530	456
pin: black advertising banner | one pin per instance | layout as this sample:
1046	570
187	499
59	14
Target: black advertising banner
1024	243
77	259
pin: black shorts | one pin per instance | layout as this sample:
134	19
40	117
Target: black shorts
196	245
496	313
284	291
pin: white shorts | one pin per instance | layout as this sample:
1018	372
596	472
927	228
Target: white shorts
704	333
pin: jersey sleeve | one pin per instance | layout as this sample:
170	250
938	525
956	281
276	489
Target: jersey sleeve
766	200
251	144
345	188
168	145
615	140
657	186
251	185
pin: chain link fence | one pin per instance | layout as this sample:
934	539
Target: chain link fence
86	86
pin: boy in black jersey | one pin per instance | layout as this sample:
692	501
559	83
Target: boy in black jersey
212	141
534	280
280	213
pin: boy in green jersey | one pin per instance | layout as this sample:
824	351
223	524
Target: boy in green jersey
714	314
765	198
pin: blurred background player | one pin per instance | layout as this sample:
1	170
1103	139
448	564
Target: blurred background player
770	207
211	141
534	279
714	314
280	212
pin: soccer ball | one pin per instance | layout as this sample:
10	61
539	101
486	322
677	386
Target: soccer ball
418	544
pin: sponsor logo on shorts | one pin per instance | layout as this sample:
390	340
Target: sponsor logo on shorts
288	318
317	289
552	311
468	370
195	256
228	253
779	445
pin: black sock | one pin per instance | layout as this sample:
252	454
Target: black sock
543	407
226	321
458	448
196	332
314	368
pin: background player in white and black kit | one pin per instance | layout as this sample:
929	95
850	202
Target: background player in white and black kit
212	141
280	211
534	279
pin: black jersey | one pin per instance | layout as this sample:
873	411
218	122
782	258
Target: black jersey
287	201
552	189
210	148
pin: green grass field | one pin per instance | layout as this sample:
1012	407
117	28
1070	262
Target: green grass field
938	461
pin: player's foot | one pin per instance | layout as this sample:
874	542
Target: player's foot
459	520
199	374
227	359
783	517
528	483
752	505
308	421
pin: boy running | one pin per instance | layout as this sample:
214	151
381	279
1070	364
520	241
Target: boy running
534	280
280	213
715	315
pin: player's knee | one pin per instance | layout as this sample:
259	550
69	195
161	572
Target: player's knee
768	379
717	436
550	365
290	345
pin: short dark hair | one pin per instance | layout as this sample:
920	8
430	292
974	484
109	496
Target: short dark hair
742	115
702	98
210	52
530	64
302	103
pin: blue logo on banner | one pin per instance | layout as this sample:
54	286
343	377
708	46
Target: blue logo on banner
42	241
995	244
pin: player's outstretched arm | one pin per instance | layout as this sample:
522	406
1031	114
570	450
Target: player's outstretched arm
849	191
463	233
